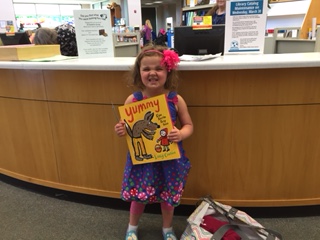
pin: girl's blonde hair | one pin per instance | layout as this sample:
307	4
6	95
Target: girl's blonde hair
134	77
148	23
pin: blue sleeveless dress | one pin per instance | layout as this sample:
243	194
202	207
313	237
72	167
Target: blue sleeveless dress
160	181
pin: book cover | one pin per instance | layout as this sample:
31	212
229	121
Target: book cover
202	22
28	51
147	123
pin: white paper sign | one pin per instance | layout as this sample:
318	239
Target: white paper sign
93	33
245	26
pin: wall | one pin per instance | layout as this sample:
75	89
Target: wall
134	13
313	12
7	13
287	14
85	6
168	10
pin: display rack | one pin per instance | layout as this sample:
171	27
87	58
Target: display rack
126	44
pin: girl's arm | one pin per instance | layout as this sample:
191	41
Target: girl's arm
186	130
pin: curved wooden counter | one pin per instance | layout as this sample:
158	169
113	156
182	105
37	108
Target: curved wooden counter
256	139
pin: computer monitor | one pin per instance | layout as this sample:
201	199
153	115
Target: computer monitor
199	42
14	38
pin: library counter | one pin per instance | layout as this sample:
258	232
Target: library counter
256	119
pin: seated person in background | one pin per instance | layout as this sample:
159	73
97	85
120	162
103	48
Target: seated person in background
66	37
44	36
218	12
21	28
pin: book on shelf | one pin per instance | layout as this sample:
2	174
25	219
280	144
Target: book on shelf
202	22
28	51
192	3
187	16
148	123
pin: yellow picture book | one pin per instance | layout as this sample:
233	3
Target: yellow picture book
148	123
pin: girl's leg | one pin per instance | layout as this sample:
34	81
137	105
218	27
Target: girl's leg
167	217
167	214
136	210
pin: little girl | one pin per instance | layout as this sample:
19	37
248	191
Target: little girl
154	73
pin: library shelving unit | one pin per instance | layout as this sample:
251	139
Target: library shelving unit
189	12
126	44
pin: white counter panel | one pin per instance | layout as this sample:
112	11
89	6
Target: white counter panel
264	61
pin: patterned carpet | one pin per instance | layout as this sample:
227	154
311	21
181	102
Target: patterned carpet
31	212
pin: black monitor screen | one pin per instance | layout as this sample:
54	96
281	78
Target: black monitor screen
14	38
199	42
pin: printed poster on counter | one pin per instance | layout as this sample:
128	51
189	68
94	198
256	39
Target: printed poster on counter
93	33
148	123
245	26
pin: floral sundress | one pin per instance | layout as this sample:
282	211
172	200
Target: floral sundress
160	181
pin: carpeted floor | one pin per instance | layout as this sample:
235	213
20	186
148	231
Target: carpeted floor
31	212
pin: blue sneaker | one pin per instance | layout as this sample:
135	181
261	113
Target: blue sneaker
169	236
131	235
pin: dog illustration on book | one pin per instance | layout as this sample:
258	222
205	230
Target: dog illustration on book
141	128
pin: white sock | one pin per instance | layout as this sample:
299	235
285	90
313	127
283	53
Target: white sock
166	230
132	228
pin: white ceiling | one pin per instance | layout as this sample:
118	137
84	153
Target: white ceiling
157	2
143	2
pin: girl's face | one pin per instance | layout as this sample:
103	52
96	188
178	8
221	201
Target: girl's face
221	3
153	75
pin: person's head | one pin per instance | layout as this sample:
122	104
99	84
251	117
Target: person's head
66	37
155	66
220	4
148	24
45	36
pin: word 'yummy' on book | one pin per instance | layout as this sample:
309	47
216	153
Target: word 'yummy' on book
148	123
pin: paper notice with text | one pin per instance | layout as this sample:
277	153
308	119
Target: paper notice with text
245	26
94	33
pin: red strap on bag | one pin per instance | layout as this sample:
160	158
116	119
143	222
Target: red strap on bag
212	224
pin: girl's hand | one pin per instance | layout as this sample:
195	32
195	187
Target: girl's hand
120	129
175	135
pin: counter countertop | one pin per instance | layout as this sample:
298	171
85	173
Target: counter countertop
228	62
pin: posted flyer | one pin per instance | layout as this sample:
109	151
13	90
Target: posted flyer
245	26
94	33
